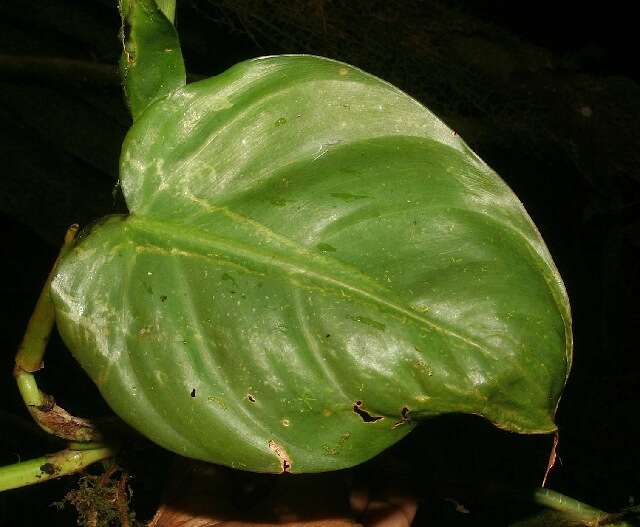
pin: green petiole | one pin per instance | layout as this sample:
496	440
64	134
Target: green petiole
50	466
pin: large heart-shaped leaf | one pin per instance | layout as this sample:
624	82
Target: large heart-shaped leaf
313	264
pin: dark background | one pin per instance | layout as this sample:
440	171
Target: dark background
546	92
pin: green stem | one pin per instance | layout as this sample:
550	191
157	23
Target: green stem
574	508
45	412
76	445
51	466
34	342
28	388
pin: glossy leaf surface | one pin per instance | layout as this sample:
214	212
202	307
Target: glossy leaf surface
312	265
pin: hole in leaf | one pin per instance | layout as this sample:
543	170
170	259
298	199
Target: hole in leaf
366	416
404	417
251	398
193	392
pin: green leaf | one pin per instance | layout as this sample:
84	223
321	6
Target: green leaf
151	65
313	264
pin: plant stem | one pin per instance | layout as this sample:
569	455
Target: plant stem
28	360
574	508
34	342
28	389
48	415
50	467
75	445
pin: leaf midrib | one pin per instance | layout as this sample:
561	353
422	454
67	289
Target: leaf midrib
178	236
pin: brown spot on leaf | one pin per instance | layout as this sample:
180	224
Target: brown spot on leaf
282	455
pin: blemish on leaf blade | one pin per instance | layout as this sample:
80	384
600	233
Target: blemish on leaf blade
366	416
282	455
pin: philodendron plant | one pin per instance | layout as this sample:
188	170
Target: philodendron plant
312	264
